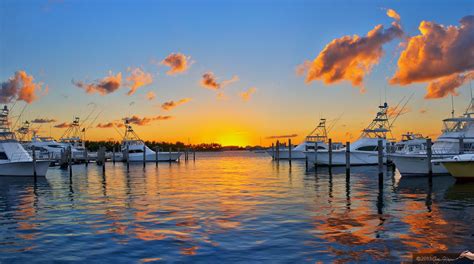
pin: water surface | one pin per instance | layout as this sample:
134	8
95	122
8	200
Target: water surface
232	207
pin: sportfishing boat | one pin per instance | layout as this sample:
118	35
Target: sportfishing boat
72	138
410	142
414	162
319	135
14	159
136	148
364	151
46	147
460	166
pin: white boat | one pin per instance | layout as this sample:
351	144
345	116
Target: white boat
136	148
410	142
14	159
318	135
46	147
72	138
460	167
414	162
364	151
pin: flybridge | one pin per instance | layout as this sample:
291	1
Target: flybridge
380	125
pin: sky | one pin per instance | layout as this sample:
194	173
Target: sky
234	72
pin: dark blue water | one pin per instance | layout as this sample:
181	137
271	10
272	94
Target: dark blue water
230	207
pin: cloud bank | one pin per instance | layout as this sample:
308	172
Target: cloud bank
172	104
20	87
105	86
177	62
441	55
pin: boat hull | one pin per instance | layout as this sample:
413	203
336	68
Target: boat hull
461	170
357	158
151	157
411	165
285	154
24	168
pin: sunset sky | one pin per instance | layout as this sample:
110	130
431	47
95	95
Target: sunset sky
235	72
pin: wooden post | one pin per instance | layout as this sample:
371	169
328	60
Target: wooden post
144	155
156	156
330	152
348	156
113	155
380	155
289	150
103	159
429	154
169	154
461	145
70	161
179	156
34	161
128	157
278	150
316	153
194	154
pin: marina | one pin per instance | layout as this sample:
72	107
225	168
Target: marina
204	131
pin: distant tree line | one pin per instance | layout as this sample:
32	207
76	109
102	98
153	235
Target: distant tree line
163	146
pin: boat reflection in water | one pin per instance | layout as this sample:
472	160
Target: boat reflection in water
230	206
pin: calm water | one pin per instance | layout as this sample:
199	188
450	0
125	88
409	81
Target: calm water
233	207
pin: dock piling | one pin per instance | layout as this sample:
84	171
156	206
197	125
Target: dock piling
69	160
144	155
429	155
34	161
157	149
127	157
169	155
348	156
316	153
330	152
289	151
380	155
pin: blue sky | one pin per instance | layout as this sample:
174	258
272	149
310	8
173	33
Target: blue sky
260	41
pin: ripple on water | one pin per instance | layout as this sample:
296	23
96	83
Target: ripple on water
232	207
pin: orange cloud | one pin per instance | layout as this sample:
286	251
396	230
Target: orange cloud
105	86
393	14
19	87
177	62
150	95
248	94
63	125
172	104
209	81
138	78
423	111
442	55
110	125
42	121
446	85
139	121
350	57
